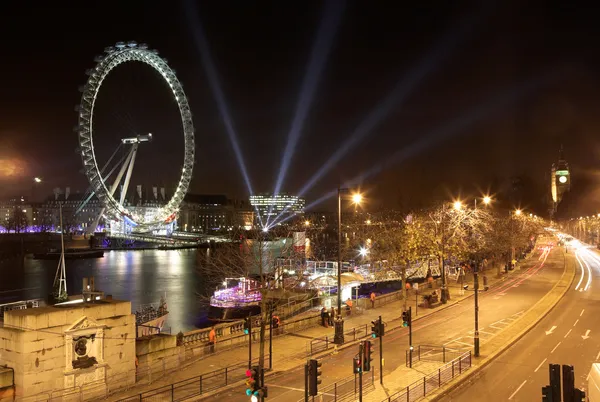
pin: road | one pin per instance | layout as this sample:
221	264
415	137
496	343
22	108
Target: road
569	334
453	326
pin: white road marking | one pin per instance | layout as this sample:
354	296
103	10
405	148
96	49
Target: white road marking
576	322
551	330
517	390
598	356
581	312
552	351
587	334
568	333
582	272
538	367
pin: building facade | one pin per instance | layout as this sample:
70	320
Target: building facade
560	181
270	206
202	213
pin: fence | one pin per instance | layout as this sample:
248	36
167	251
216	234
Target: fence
346	389
433	354
321	344
194	386
419	389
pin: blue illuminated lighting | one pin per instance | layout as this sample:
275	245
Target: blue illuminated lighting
213	80
330	21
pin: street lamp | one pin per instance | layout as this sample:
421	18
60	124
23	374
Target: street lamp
518	212
307	223
457	205
487	199
476	290
338	337
37	180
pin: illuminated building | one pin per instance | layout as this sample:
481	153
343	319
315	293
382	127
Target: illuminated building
560	181
269	206
205	213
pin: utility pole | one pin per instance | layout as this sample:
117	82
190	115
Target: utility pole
271	337
380	351
249	340
338	337
476	287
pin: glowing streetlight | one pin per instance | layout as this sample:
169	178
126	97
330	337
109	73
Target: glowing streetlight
356	198
37	180
265	229
306	223
487	199
368	222
363	251
518	212
457	205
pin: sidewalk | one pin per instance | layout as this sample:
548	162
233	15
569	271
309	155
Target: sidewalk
290	350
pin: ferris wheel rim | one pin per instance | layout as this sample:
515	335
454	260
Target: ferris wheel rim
116	56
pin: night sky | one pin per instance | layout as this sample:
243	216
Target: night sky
481	92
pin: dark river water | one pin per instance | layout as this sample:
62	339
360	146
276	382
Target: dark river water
138	276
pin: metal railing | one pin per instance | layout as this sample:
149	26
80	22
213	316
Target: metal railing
345	389
195	386
321	344
419	389
433	354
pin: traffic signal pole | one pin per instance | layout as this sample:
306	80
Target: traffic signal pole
306	382
249	341
476	287
360	373
410	347
380	354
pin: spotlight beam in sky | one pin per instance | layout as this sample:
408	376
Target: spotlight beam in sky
191	13
330	21
441	134
397	96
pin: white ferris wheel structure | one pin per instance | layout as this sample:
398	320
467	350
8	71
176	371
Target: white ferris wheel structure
115	210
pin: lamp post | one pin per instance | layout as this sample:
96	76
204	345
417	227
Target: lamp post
457	206
338	337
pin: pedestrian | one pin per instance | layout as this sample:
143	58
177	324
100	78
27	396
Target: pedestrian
275	321
372	299
212	339
331	315
349	306
323	312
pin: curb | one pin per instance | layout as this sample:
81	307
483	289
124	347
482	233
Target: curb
436	395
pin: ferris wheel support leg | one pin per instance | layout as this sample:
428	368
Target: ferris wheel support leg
129	170
113	188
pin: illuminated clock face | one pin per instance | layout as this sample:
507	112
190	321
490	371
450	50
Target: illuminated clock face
562	179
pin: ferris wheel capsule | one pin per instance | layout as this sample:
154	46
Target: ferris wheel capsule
120	45
132	43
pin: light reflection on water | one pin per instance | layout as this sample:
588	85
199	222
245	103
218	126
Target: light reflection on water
139	276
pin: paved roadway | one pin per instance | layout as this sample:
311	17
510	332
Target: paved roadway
569	334
452	327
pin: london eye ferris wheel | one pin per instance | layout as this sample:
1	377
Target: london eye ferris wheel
115	208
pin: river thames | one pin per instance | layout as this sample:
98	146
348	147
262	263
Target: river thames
140	276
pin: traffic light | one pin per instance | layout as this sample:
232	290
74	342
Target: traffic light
568	383
252	380
356	365
247	325
375	328
368	355
314	375
547	394
406	319
555	381
381	327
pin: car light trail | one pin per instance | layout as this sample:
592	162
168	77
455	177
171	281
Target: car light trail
328	28
213	79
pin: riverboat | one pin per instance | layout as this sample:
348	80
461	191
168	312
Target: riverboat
69	254
236	298
150	319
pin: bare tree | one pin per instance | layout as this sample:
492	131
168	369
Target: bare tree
256	255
